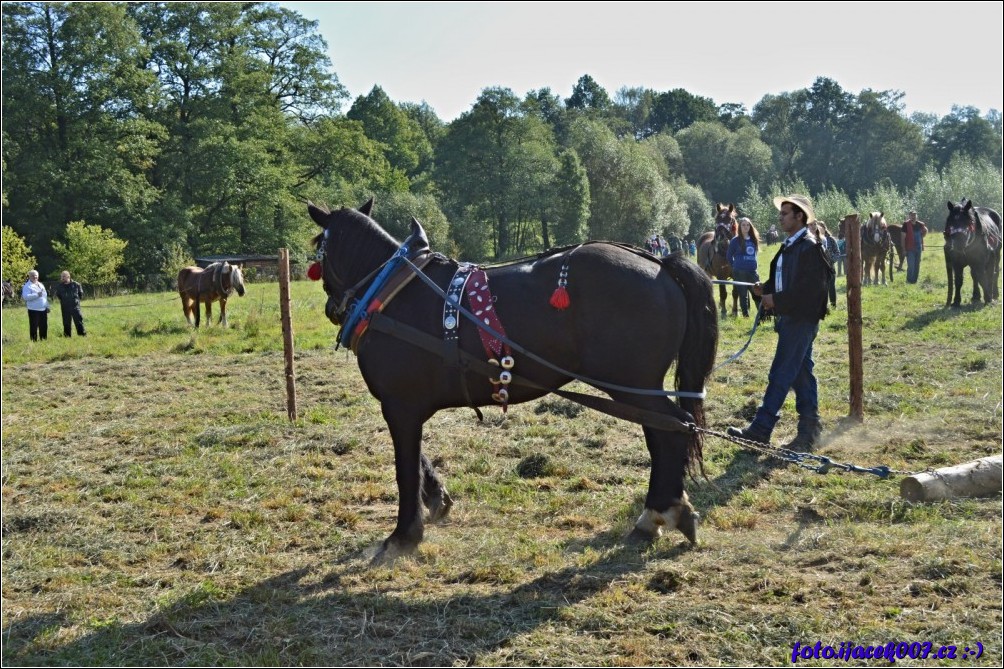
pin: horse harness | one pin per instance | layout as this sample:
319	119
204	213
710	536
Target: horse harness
218	268
367	313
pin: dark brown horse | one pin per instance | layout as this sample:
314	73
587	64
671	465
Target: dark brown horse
972	237
417	357
712	249
204	286
875	247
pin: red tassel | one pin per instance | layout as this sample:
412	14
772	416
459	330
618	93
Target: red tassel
559	298
314	271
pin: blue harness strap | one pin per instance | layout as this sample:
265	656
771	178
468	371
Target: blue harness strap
358	310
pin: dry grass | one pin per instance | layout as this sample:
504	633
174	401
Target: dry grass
159	509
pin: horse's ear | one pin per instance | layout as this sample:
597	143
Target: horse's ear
418	233
367	208
969	205
319	215
732	208
718	208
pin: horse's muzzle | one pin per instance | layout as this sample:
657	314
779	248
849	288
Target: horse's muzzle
331	311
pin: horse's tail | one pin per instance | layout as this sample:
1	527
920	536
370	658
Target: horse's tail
700	343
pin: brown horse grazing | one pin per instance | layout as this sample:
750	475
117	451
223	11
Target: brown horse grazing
875	247
608	314
712	248
204	286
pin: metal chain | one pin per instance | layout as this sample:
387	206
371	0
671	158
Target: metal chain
804	460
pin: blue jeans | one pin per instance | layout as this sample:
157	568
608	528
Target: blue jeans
791	370
912	266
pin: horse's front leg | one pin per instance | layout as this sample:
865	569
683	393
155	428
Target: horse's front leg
223	311
209	313
959	272
723	296
405	426
196	307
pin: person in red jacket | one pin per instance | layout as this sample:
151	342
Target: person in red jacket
914	232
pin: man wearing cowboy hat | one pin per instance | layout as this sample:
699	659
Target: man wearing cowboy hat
795	294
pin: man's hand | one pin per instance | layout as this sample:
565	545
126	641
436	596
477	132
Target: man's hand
768	301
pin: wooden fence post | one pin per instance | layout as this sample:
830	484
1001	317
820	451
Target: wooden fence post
852	233
287	332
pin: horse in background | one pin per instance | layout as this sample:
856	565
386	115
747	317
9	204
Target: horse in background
198	286
712	248
772	236
875	247
972	237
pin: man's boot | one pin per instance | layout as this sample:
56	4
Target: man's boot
751	433
809	431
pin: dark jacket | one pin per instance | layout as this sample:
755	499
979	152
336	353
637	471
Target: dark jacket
69	294
805	275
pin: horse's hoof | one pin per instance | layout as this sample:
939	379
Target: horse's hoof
390	550
440	507
688	523
637	537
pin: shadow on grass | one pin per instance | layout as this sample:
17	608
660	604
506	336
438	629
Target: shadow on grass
343	614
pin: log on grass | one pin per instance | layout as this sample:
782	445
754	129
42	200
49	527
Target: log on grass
971	479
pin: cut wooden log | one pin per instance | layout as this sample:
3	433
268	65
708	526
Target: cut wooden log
971	479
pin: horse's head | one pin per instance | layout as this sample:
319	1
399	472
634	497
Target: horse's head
233	276
961	226
350	250
876	228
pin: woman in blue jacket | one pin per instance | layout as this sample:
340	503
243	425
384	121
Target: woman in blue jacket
742	256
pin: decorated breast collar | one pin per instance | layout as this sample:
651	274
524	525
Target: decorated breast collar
472	281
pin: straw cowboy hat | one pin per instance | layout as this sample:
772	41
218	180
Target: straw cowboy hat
800	201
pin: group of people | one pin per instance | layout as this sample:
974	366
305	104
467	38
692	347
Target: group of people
36	298
658	246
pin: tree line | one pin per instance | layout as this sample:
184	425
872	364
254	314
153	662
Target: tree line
183	129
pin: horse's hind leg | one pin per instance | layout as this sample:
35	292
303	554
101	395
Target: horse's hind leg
434	495
186	308
666	504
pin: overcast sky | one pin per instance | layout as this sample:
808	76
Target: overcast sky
446	53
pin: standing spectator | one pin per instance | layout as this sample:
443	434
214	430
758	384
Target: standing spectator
795	292
742	255
841	256
37	299
692	248
69	293
914	232
829	243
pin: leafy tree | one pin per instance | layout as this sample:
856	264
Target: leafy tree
588	95
629	199
177	258
92	254
667	151
492	167
394	211
724	162
884	197
568	204
964	132
406	145
74	93
698	207
831	205
975	180
678	109
17	257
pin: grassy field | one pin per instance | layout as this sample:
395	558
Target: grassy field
159	508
